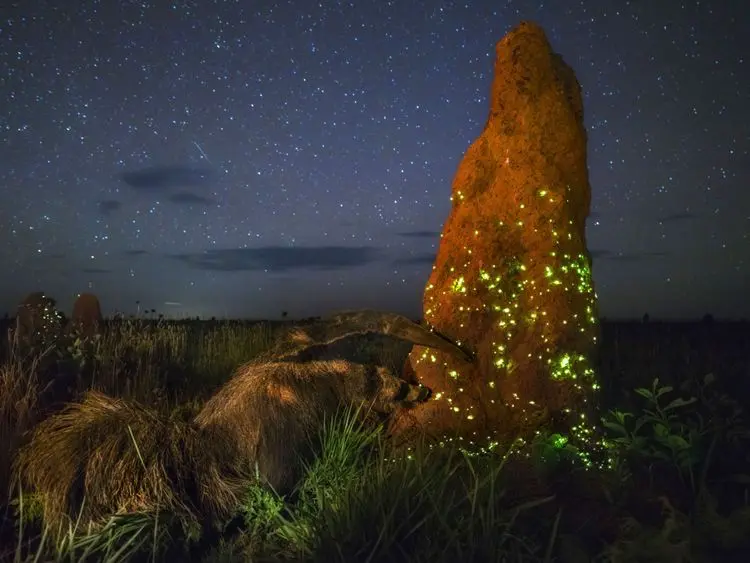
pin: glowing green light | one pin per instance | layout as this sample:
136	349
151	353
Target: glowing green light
459	285
517	299
559	441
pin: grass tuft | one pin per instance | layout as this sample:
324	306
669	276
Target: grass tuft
678	487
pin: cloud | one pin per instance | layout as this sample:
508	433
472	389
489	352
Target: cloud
421	258
135	252
96	271
162	178
419	234
189	198
602	254
108	206
674	217
280	258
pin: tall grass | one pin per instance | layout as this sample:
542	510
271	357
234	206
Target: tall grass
437	506
20	388
156	363
359	500
133	358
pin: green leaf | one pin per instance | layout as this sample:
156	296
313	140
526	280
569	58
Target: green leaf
651	415
679	402
645	393
678	442
621	416
618	428
664	390
622	441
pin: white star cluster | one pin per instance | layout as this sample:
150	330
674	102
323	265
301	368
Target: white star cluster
244	158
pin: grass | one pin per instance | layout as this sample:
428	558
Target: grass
678	486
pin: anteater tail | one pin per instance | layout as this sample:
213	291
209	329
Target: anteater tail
127	458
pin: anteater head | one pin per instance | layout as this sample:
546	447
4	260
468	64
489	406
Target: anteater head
386	392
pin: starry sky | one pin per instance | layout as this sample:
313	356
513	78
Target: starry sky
243	158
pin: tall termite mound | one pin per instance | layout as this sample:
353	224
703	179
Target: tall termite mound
512	277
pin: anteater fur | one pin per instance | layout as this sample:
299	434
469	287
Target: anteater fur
273	411
123	457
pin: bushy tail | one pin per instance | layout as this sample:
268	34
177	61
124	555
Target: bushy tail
347	323
104	456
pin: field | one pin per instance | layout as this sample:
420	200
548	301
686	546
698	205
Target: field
676	486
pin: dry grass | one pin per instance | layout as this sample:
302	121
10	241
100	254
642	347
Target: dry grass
166	367
103	455
133	359
123	458
20	388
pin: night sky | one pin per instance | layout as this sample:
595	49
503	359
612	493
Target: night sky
240	159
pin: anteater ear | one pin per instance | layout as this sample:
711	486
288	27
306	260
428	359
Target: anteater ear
408	393
424	394
403	392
